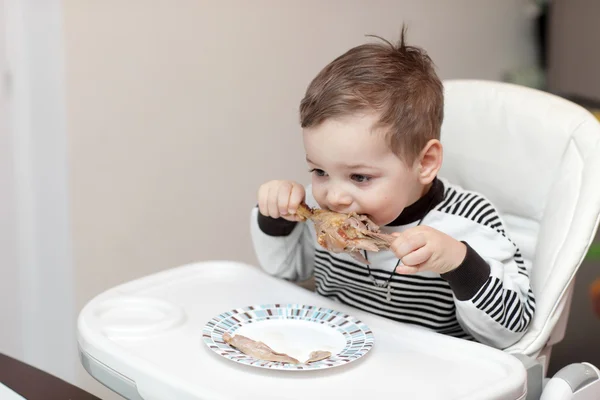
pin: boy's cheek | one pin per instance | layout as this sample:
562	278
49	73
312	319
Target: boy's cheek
317	193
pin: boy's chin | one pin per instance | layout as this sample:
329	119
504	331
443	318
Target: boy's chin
381	220
375	220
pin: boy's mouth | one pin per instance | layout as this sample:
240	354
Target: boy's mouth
349	212
342	211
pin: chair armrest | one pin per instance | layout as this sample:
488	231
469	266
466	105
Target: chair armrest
579	381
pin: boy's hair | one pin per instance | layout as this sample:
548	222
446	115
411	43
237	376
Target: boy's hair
396	81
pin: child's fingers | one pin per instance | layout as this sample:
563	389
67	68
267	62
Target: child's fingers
277	198
406	269
272	199
407	243
291	217
283	197
296	197
263	197
417	257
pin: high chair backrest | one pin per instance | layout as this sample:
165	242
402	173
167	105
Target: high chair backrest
536	156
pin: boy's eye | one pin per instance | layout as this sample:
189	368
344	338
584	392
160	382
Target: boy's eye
360	178
317	172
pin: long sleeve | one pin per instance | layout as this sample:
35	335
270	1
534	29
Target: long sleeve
284	249
493	297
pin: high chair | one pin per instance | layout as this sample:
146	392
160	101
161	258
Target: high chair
536	156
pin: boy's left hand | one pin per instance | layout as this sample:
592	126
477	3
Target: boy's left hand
423	248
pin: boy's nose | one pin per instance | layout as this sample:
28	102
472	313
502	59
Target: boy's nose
338	199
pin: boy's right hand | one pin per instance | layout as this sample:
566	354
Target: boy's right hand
280	199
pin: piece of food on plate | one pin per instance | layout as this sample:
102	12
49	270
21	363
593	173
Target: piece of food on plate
256	349
318	356
349	233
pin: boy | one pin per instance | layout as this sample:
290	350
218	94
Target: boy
371	127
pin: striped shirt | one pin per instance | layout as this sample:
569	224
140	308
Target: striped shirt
487	298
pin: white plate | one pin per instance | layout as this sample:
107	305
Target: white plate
293	329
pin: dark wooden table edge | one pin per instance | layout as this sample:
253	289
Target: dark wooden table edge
35	384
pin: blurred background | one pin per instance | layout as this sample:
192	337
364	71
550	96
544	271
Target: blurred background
134	134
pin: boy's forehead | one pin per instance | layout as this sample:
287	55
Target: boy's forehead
351	141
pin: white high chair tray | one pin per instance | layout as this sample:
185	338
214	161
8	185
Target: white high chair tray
143	339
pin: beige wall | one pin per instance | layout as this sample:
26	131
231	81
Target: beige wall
178	110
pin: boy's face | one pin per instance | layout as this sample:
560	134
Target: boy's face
354	170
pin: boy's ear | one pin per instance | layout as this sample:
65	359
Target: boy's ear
430	161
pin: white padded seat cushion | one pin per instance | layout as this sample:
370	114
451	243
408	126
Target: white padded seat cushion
536	156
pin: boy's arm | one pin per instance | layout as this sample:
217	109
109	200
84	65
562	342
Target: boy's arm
493	297
284	249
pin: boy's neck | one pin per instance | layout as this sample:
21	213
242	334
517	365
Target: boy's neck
431	197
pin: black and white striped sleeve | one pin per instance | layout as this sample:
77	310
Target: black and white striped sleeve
493	297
